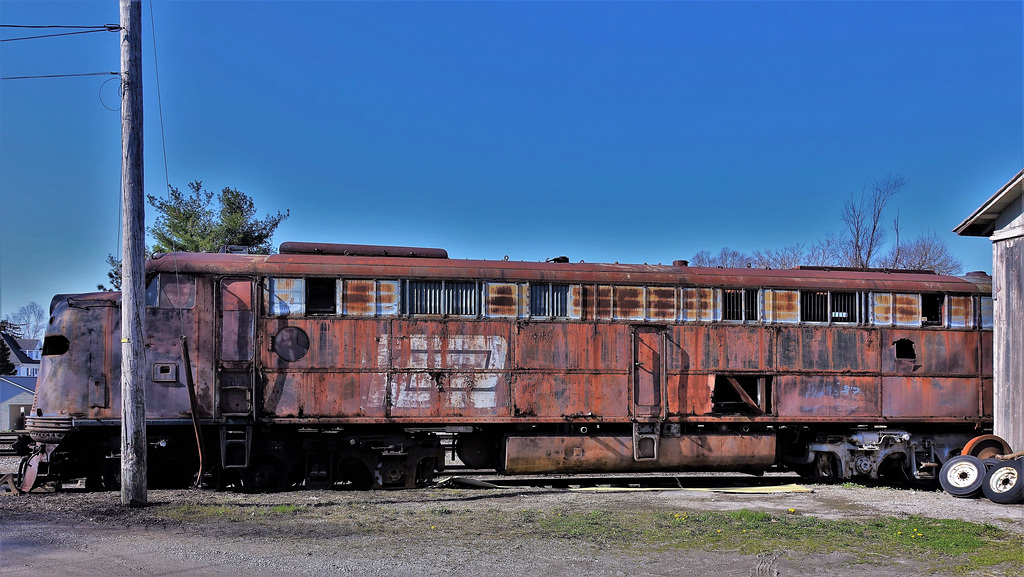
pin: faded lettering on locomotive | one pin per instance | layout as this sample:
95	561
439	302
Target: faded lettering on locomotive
464	368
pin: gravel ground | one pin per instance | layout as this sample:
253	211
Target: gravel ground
77	533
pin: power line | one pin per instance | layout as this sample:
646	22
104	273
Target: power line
106	26
100	29
61	75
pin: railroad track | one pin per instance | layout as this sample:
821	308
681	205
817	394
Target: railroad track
7	440
648	481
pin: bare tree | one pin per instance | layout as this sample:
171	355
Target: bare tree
826	252
786	257
861	243
865	232
726	257
32	320
926	252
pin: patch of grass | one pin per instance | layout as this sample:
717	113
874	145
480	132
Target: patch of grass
199	513
932	545
225	512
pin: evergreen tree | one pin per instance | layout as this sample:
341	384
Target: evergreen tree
6	366
202	222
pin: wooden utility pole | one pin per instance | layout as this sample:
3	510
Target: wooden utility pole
133	274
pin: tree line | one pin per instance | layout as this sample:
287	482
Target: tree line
863	241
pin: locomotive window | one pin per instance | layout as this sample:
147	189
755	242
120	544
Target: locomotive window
732	305
441	298
321	296
549	300
961	312
986	312
700	304
750	305
367	297
814	307
422	298
781	306
171	291
286	296
844	308
628	302
462	298
739	305
501	300
931	309
906	309
881	308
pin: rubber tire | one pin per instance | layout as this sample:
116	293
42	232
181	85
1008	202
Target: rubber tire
990	463
1005	484
962	476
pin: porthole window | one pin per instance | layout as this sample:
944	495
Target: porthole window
291	344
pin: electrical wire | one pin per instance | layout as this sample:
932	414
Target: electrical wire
159	101
93	27
60	75
55	35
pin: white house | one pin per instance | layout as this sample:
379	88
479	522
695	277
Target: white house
25	354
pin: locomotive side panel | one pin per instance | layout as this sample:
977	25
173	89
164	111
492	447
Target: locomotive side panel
729	348
700	355
812	397
930	352
324	367
443	369
812	348
909	397
571	370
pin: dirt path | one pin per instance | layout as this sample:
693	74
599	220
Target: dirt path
431	532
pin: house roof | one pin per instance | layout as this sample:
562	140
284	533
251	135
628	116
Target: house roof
28	344
17	352
982	222
11	387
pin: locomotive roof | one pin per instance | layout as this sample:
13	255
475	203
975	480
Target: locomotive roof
604	273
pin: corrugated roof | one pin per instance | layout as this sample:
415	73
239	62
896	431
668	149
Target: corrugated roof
982	222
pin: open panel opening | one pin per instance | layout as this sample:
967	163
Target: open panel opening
742	394
321	297
931	309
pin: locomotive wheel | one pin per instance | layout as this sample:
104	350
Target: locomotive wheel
112	475
1004	484
962	476
354	472
986	446
264	475
475	451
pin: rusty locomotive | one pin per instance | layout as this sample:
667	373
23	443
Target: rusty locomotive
331	365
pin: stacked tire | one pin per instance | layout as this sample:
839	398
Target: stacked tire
1004	483
967	476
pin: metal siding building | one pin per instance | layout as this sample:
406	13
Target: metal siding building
1001	219
15	399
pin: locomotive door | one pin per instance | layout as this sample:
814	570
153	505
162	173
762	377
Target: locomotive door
236	346
648	391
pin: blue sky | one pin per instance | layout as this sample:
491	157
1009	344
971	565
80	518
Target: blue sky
606	131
